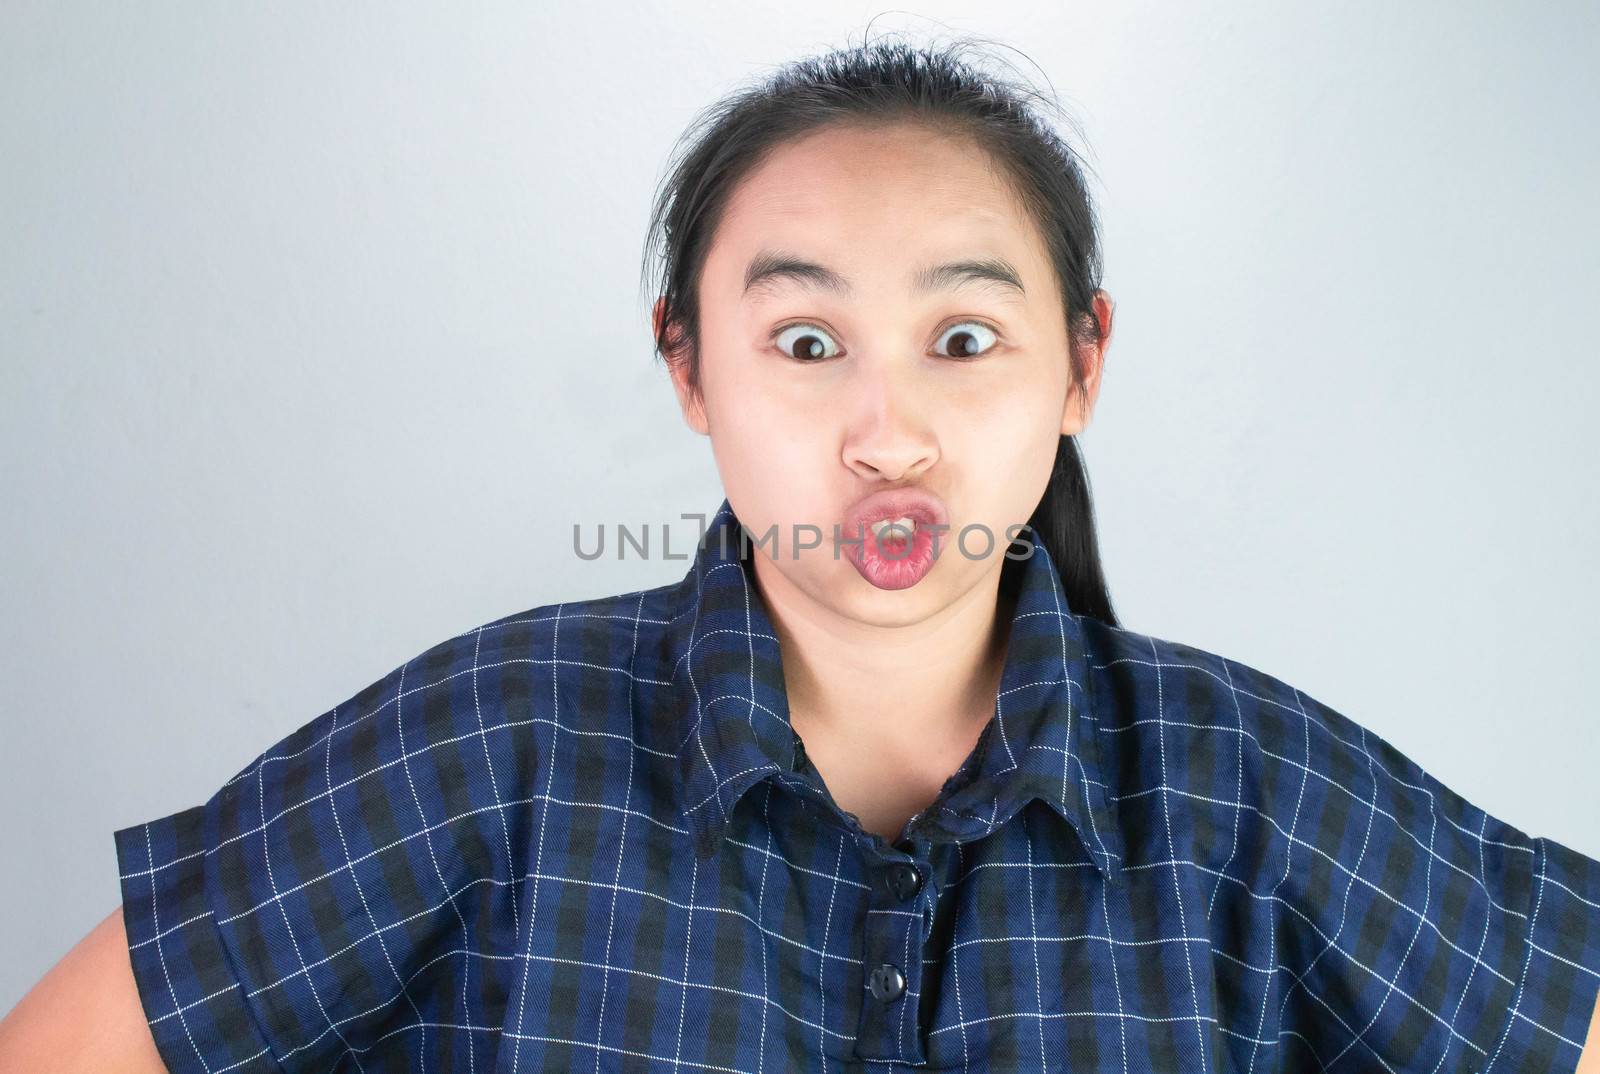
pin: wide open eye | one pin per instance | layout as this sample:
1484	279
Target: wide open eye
968	343
804	342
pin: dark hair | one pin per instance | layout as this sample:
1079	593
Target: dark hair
886	83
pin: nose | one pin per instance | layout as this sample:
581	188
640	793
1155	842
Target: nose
888	434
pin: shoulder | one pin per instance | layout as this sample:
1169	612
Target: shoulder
376	832
1229	723
1323	838
566	678
1141	676
513	667
460	728
1287	741
1286	785
1320	836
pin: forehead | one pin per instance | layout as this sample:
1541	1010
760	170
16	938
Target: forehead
898	191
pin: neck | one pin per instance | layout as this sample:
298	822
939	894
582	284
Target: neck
920	684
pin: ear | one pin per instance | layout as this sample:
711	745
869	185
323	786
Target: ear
1079	409
689	400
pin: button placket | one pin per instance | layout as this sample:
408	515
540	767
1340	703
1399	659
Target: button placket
892	964
904	880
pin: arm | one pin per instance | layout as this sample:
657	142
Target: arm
1589	1062
84	1015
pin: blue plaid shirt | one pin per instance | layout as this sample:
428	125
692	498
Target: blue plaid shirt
586	837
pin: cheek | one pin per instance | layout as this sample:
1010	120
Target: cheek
755	407
753	418
1004	445
767	445
1009	423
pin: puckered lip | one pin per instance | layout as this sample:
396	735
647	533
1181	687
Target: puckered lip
906	502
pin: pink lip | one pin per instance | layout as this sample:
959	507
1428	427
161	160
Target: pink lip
915	503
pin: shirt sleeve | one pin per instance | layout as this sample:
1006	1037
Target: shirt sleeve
337	894
1439	937
1559	980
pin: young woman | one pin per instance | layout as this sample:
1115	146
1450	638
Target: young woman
892	789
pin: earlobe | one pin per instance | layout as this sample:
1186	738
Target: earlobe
1074	416
1079	408
694	411
692	407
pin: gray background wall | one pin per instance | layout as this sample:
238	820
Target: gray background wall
319	330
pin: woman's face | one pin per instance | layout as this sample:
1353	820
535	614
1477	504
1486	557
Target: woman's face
818	393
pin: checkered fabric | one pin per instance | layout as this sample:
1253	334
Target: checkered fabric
586	838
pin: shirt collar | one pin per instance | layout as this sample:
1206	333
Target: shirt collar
729	689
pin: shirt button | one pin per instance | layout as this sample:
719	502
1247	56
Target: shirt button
904	880
887	982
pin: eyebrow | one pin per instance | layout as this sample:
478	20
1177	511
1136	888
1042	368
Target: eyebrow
770	266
